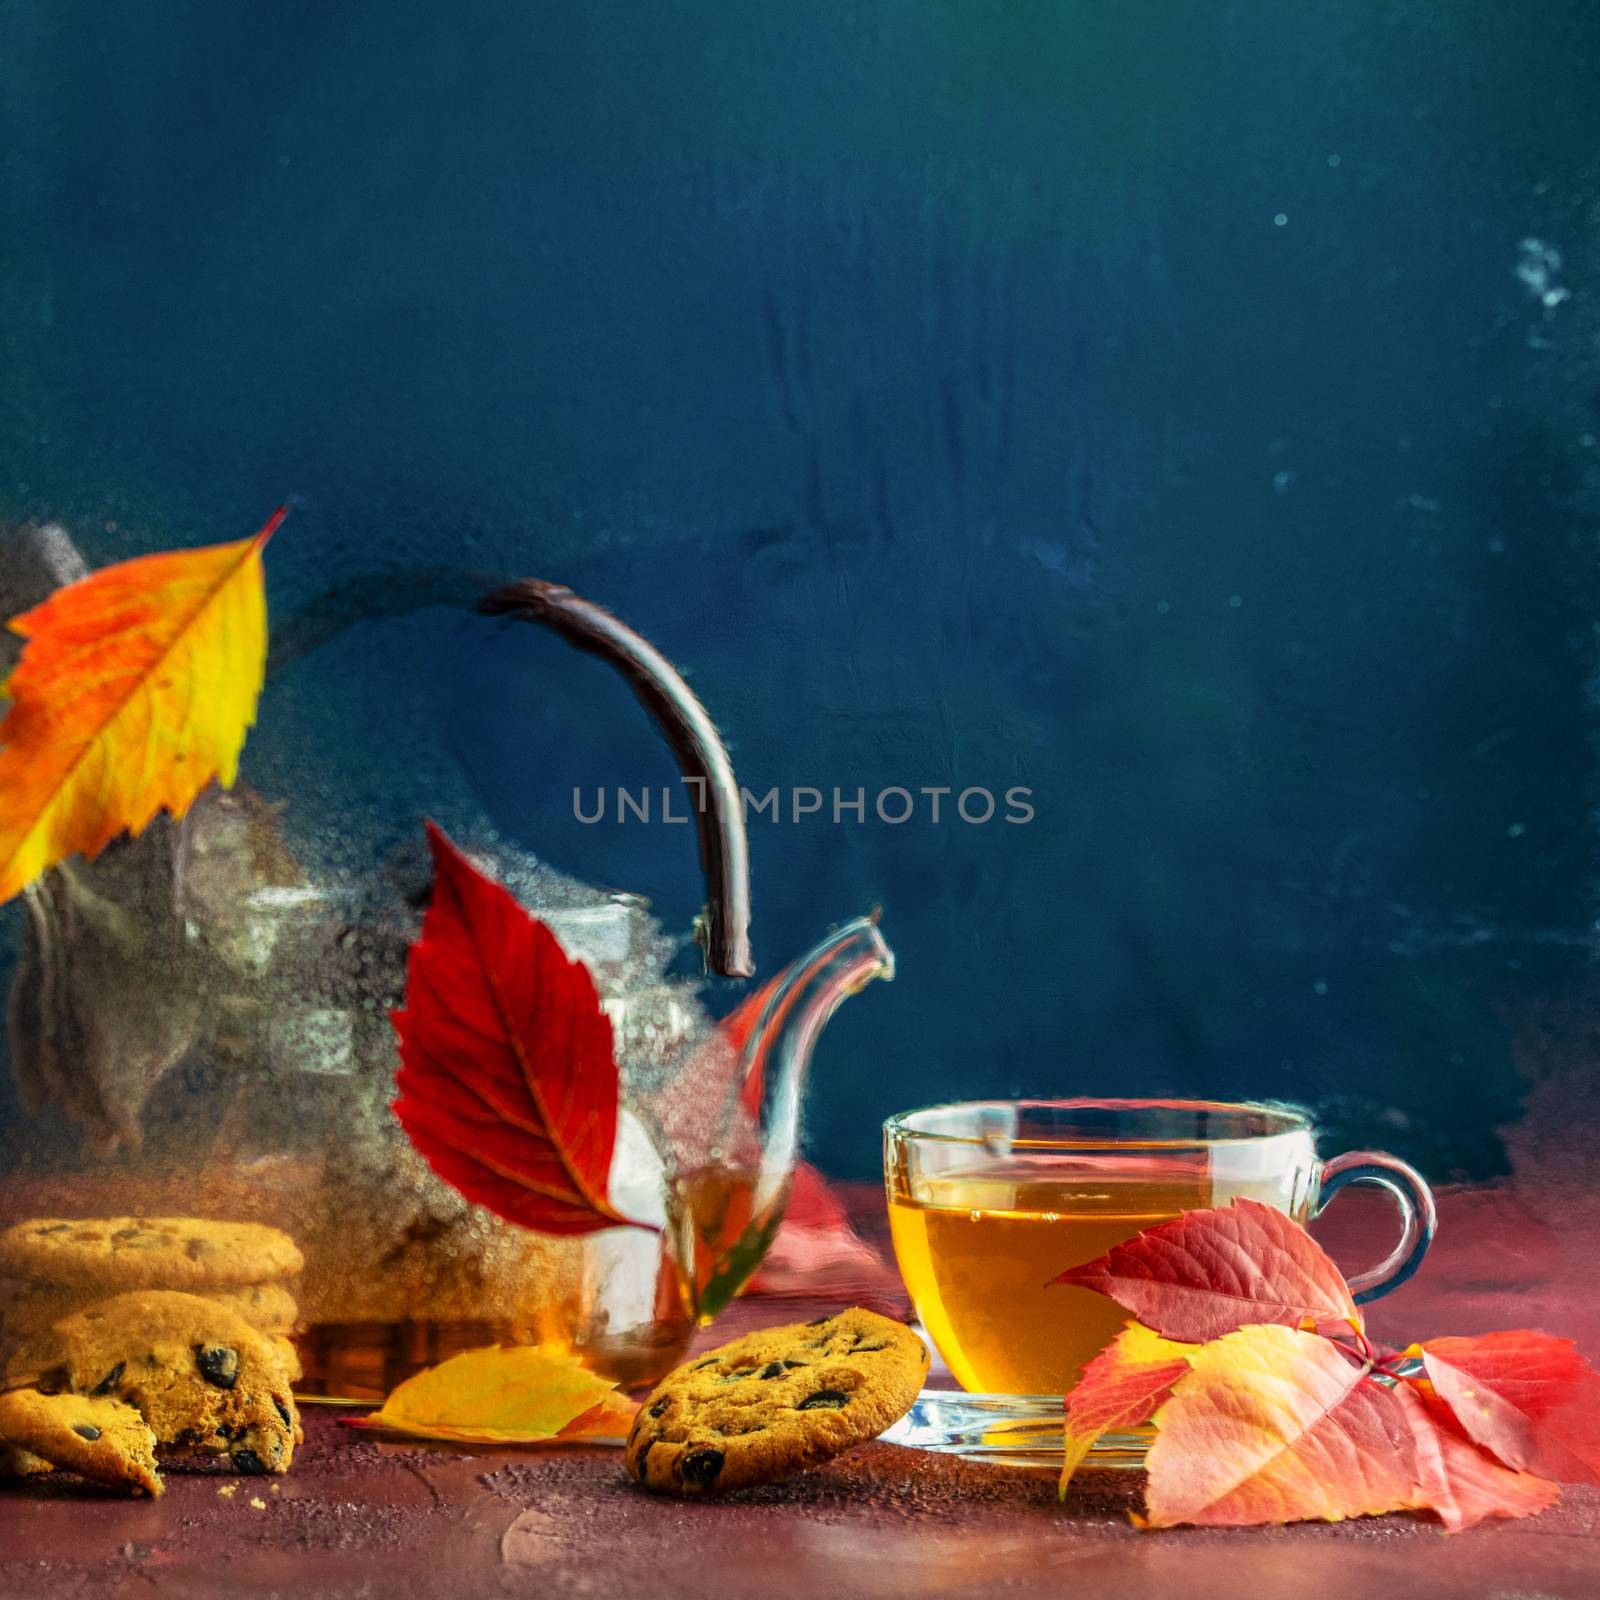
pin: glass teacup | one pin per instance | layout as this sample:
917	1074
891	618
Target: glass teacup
990	1200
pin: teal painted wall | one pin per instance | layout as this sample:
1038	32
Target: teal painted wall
939	382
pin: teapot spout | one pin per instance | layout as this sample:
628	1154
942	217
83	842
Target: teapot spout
723	1213
788	1017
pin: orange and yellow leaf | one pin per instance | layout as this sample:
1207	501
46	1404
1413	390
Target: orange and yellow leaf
1274	1425
135	690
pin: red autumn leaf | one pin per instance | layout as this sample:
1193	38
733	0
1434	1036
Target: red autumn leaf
508	1086
1120	1388
1271	1424
1461	1483
1207	1273
1529	1398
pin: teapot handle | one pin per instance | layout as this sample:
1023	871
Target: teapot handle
724	928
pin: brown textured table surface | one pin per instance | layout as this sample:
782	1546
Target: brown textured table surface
358	1517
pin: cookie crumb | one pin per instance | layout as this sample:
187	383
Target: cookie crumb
257	1503
227	1490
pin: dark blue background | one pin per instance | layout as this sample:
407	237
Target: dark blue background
934	381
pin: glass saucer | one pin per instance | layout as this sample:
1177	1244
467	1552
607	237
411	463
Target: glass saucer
1010	1430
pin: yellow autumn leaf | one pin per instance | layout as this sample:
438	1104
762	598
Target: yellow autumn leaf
506	1394
135	689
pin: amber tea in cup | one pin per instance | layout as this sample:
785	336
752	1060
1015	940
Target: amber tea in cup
991	1200
977	1247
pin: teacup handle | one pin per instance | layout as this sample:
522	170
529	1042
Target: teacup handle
1419	1221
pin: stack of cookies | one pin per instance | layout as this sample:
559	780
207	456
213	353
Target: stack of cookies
135	1334
55	1268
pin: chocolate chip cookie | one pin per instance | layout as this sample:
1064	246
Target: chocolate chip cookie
201	1377
113	1254
39	1358
775	1402
97	1438
268	1307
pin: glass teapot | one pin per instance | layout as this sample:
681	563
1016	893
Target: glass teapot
199	1028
